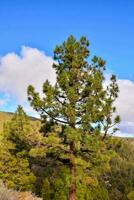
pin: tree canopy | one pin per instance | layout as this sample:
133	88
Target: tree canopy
83	108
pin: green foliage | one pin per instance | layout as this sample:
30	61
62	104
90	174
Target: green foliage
15	172
131	195
46	191
120	180
92	193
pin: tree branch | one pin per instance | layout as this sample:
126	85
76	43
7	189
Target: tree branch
58	120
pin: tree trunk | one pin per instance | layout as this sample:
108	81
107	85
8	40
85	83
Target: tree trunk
72	191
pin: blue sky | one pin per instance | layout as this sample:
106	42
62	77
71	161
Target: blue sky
38	25
45	23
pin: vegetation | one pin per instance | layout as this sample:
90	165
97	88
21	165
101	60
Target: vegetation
70	155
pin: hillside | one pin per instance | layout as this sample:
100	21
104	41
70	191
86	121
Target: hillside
4	117
114	167
7	116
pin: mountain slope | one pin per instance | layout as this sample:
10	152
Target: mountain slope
7	116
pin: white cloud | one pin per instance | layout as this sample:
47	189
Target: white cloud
125	102
125	106
32	66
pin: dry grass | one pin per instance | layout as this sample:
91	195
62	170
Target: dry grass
6	194
27	196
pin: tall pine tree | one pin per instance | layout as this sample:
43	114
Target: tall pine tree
81	105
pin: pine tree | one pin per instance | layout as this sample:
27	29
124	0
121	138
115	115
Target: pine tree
79	104
18	129
14	149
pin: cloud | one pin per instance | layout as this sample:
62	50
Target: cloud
125	106
125	102
32	66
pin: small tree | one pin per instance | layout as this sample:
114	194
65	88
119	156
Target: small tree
80	104
18	129
14	148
